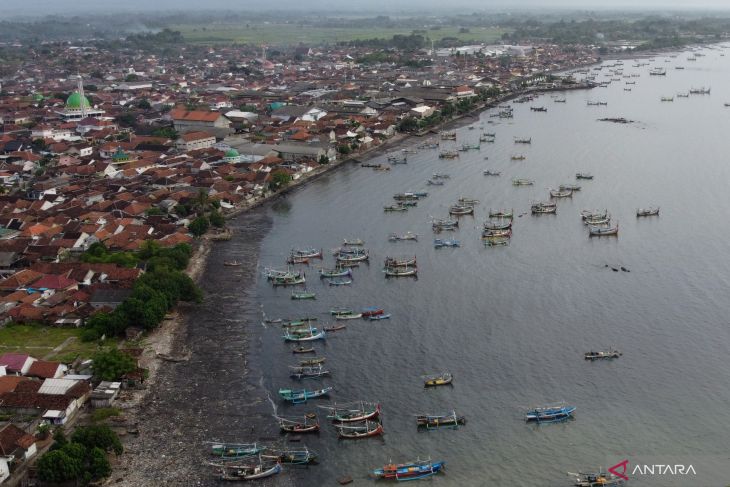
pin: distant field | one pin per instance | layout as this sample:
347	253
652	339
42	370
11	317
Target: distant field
40	341
287	34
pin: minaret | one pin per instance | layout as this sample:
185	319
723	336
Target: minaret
81	96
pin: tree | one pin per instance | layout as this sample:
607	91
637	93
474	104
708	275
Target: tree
344	149
98	436
131	78
408	124
199	226
99	466
216	219
57	466
111	365
143	104
323	159
279	179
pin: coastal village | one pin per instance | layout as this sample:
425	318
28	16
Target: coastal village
103	150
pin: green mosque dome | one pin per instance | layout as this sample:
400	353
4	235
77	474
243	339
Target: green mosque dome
74	101
232	153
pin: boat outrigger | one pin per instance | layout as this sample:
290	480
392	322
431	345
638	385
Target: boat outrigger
302	395
356	431
307	371
431	421
256	471
306	424
550	414
235	450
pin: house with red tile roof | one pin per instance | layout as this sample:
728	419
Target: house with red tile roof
16	443
44	369
16	363
55	283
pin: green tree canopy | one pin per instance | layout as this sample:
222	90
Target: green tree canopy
112	364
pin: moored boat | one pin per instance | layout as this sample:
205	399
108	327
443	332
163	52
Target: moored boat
352	412
336	272
603	354
394	237
461	210
231	263
305	424
595	231
408	471
489	172
307	371
302	395
355	242
257	471
310	253
303	295
298	456
556	193
502	224
597	479
439	225
442	379
401	271
647	212
372	311
383	316
438	243
303	350
495	241
550	414
339	281
583	175
404	262
431	421
312	361
501	213
355	431
348	316
522	182
235	450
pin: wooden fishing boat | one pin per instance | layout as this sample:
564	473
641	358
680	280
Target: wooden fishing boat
490	234
272	273
498	224
309	336
303	295
334	328
231	263
409	204
298	456
308	371
394	237
538	109
522	182
550	414
569	187
289	280
523	140
604	354
461	210
296	259
495	241
312	361
384	316
448	154
438	243
306	424
501	213
468	201
435	182
302	395
543	210
406	197
235	450
391	208
249	472
349	258
354	431
398	159
448	135
440	175
442	379
597	220
408	471
594	231
468	147
583	175
486	138
647	212
336	272
309	253
430	421
519	157
439	225
372	311
593	214
488	172
339	281
355	242
352	412
556	193
303	350
401	271
395	262
597	479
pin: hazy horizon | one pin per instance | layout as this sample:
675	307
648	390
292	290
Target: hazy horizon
40	8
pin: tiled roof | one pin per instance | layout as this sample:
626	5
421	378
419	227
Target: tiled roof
43	369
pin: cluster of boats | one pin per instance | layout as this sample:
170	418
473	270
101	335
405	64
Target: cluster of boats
599	223
254	461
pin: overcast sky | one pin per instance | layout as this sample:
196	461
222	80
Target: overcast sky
45	7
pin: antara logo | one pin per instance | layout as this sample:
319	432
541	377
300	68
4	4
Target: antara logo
620	469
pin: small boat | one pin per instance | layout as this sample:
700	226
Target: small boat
302	395
355	431
300	456
497	224
550	414
231	263
336	272
519	157
352	412
435	182
334	328
667	98
249	472
592	214
235	450
303	350
401	271
395	208
556	193
289	280
543	210
522	182
439	225
448	135
468	201
461	210
448	154
307	336
647	212
490	234
438	243
440	175
345	259
597	220
312	361
394	237
371	311
308	371
443	379
407	196
488	172
501	213
569	187
297	259
394	262
355	242
495	241
408	471
430	421
583	175
597	479
384	316
538	109
595	231
309	253
468	147
523	141
272	274
605	354
306	424
348	316
398	160
303	295
339	281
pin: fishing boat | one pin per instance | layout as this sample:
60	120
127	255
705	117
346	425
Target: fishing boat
559	100
345	258
442	379
309	253
302	395
336	272
249	472
401	271
569	187
439	225
523	140
355	242
334	328
297	259
438	243
235	450
352	412
312	361
395	262
461	210
303	295
538	109
522	182
595	231
431	421
298	456
597	220
550	414
495	241
308	371
355	431
468	201
271	273
647	211
371	311
339	281
583	175
394	237
490	234
498	224
407	196
490	134
667	98
348	316
448	154
556	193
408	471
409	203
699	91
303	350
289	280
543	210
448	135
397	207
488	172
591	214
231	263
420	194
440	175
398	159
518	157
306	336
435	182
486	138
306	424
384	316
597	479
604	354
501	213
468	147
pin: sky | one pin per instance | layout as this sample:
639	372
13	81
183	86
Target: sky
46	7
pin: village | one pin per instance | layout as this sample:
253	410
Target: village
117	161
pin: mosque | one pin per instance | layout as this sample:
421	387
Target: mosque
78	106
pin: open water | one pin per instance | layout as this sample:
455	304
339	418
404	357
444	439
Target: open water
512	323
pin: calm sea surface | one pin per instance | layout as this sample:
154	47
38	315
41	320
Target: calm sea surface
512	323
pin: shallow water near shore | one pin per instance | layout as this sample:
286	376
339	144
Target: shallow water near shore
511	323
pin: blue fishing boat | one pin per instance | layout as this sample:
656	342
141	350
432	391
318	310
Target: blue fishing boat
302	395
384	316
438	243
408	471
340	282
303	336
336	272
550	414
235	450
